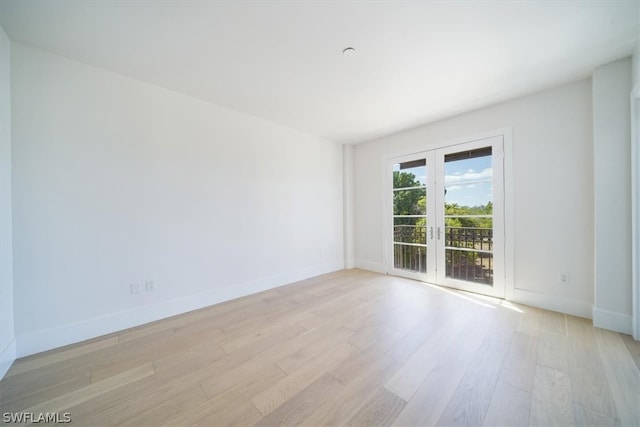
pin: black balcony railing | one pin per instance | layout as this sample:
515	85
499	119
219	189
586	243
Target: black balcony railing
410	258
410	234
469	238
468	251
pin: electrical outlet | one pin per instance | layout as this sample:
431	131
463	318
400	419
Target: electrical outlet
149	286
134	288
564	278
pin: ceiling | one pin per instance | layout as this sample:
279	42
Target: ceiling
282	61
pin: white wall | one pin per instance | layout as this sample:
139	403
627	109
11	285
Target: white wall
636	64
612	195
635	188
7	335
552	184
118	181
348	221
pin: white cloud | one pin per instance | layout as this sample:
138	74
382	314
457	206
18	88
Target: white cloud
469	175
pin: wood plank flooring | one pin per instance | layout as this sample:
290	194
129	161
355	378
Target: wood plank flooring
348	348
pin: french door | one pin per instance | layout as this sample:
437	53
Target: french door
446	224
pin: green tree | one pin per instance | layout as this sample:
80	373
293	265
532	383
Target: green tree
409	202
459	215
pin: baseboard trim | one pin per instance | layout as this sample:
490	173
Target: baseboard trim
7	357
617	322
553	303
534	299
58	336
376	267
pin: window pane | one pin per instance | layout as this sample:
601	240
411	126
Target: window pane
468	179
477	236
411	258
470	266
471	199
410	230
410	174
410	202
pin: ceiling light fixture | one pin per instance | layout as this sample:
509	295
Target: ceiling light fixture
349	51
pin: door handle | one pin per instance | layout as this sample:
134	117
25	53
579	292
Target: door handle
431	233
438	233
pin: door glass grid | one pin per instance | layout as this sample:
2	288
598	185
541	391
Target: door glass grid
468	204
410	216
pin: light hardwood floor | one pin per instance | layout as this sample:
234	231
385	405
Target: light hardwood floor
348	348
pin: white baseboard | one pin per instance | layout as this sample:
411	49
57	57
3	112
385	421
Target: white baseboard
7	357
376	267
618	322
534	299
58	336
553	303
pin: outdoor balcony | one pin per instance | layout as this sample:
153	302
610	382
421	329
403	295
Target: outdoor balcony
468	251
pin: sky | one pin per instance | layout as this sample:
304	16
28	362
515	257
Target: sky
468	181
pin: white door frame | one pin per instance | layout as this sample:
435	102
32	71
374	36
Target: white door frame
498	287
429	276
387	217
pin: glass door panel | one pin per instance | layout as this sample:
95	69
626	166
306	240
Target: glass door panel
468	215
410	254
470	182
410	216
